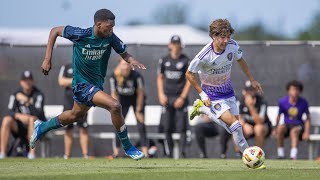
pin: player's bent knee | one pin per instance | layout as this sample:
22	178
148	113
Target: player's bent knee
75	115
7	121
294	132
115	107
281	129
259	129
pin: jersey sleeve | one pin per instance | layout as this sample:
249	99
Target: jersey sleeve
12	105
186	65
74	34
306	110
63	72
238	50
195	65
37	108
160	66
263	109
118	45
281	109
140	83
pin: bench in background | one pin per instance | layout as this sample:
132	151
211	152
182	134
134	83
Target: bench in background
99	116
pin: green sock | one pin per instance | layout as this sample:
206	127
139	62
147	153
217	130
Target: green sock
52	123
124	139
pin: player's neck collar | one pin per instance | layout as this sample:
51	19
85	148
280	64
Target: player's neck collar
217	53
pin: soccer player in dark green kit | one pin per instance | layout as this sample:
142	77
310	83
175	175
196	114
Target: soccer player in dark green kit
91	52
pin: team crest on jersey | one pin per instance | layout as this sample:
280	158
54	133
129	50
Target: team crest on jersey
179	65
130	83
293	112
229	56
217	106
167	64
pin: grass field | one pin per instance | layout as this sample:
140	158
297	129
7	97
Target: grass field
153	169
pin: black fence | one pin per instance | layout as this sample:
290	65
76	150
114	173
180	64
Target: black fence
272	64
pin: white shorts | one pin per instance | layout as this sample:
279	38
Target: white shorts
220	106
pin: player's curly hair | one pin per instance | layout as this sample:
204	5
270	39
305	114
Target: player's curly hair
220	27
295	83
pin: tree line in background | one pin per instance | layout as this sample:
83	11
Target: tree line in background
177	13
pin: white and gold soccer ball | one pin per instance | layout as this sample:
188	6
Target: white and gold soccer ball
253	157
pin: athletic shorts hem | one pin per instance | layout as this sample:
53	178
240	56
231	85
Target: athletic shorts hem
83	93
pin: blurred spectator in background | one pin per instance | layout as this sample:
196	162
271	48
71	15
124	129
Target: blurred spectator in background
127	86
253	115
173	89
25	106
292	106
253	118
205	128
65	81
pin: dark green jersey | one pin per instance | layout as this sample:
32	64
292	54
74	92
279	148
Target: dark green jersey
91	54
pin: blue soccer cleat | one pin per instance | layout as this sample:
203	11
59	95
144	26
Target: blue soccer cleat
134	153
36	135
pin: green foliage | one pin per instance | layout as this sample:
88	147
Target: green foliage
257	32
312	32
171	13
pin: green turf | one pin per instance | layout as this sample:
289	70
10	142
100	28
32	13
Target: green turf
153	169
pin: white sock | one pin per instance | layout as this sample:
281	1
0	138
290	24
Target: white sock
237	134
280	152
206	110
293	153
2	155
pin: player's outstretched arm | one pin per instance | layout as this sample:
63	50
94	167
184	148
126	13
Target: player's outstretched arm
132	61
54	33
246	70
193	81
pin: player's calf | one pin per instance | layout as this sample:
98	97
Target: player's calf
281	130
294	137
237	134
259	133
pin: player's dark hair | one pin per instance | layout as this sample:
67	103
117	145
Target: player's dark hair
220	27
103	15
295	83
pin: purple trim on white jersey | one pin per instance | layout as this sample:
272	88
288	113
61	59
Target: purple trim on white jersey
216	52
205	52
220	92
232	42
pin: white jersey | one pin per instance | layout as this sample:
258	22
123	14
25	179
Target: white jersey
214	69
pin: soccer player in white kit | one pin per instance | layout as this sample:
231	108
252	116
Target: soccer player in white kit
213	64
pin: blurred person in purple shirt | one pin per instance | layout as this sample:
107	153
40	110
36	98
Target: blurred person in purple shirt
292	106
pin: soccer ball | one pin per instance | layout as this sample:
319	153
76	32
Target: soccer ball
253	157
